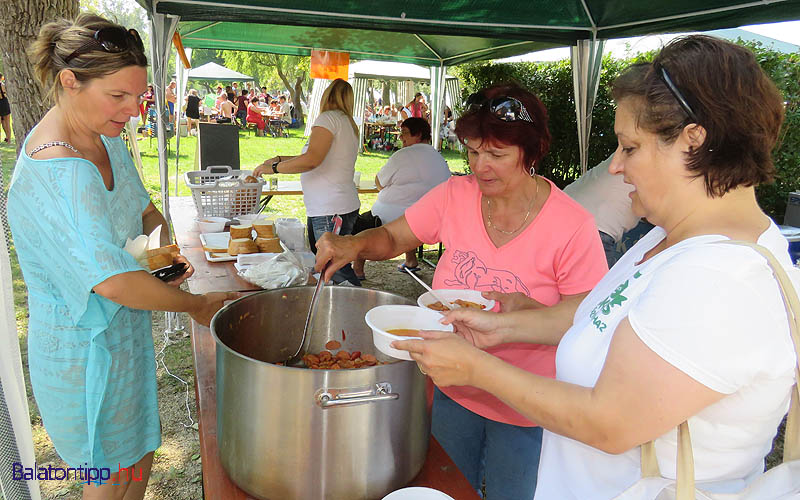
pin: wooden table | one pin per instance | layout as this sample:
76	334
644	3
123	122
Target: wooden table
381	129
293	188
439	471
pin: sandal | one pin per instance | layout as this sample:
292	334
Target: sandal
402	268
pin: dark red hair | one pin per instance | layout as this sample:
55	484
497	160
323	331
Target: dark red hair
532	138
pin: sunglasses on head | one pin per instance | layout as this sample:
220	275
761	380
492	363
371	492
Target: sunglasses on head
661	71
113	40
505	108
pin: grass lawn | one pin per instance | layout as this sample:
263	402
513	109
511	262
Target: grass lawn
254	150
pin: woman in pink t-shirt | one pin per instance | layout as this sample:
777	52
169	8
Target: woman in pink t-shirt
513	235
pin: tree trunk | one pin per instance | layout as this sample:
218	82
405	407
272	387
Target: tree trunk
296	90
298	98
385	97
21	22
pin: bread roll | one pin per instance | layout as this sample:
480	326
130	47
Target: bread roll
264	228
158	261
213	249
241	245
242	231
168	250
249	179
269	245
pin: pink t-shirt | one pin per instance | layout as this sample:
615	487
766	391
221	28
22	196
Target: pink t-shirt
560	252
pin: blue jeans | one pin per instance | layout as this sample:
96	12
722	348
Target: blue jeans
505	456
317	226
610	247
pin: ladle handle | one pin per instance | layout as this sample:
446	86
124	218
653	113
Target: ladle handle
325	402
332	398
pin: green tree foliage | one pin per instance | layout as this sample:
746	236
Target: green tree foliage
784	69
124	12
274	71
203	56
552	82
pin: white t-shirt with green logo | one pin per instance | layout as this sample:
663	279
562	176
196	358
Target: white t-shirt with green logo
714	312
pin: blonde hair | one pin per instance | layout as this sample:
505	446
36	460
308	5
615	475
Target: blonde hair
339	95
58	39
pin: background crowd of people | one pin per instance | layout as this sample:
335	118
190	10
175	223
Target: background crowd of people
235	104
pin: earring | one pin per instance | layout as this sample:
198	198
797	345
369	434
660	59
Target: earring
533	170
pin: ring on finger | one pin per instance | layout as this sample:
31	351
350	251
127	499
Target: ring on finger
421	370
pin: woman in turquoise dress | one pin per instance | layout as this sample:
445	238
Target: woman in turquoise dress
74	199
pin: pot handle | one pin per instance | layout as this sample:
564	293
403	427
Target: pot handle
333	398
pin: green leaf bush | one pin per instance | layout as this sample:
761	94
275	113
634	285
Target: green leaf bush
552	82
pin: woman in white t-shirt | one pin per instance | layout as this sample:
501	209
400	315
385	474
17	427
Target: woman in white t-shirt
681	327
405	178
327	164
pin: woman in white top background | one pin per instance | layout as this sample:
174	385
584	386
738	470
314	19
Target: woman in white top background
327	164
682	327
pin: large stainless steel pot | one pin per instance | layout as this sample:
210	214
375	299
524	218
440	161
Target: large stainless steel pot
294	433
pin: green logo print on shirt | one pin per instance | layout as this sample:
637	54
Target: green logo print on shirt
614	299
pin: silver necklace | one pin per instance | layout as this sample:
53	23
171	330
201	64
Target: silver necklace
528	214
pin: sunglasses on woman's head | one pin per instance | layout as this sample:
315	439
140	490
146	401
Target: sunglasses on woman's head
661	71
505	108
113	40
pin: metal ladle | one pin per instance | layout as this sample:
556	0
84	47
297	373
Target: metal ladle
337	226
445	303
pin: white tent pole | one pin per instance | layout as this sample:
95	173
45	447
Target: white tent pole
182	75
437	102
16	439
162	28
360	94
586	56
137	156
313	104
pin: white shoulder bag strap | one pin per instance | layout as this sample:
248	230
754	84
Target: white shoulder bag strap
685	487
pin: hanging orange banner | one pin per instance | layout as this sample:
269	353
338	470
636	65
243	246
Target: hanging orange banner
178	43
329	65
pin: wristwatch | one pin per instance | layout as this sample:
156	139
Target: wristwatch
275	167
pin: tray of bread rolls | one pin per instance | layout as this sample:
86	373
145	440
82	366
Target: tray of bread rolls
256	237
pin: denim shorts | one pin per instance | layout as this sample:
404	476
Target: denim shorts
317	226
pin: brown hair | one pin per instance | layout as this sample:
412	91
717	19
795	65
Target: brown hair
339	95
532	138
58	39
734	101
418	127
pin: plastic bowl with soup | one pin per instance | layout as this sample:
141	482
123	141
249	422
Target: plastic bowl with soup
457	298
404	321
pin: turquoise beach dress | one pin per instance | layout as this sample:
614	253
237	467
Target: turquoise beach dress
91	360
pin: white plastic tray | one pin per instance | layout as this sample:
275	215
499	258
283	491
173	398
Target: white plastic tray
216	240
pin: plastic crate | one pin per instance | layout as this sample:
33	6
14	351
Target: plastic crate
218	192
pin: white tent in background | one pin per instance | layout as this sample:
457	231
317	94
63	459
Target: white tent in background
213	71
362	71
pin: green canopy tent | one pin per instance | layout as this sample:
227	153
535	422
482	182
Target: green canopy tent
440	34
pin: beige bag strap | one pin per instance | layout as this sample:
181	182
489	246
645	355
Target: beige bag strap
791	440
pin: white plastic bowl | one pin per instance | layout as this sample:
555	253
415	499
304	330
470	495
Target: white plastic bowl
417	493
451	295
211	224
391	317
249	218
